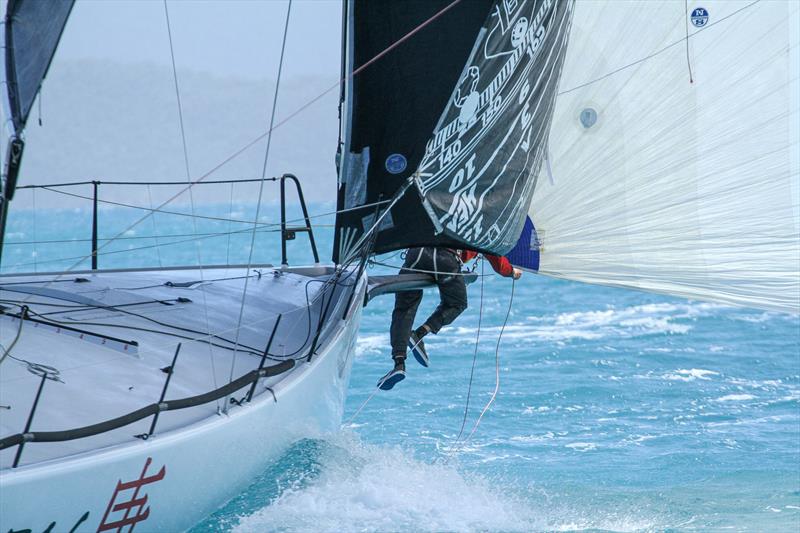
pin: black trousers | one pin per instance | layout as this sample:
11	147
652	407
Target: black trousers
452	294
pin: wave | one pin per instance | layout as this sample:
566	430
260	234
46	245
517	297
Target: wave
364	487
625	322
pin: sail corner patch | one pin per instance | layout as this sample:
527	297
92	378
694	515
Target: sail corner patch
396	163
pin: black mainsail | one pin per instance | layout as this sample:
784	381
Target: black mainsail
463	107
32	31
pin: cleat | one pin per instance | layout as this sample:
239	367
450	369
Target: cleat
418	350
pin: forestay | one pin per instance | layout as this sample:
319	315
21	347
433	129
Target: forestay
673	154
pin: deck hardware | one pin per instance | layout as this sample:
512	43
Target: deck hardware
182	284
274	398
264	358
45	371
322	319
290	233
96	200
164	390
115	343
30	420
148	410
95	184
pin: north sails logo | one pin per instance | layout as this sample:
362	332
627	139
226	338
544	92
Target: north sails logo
700	17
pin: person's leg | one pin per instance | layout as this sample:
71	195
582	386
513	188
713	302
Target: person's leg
405	306
453	302
452	295
405	309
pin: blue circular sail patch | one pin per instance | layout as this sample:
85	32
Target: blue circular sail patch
700	17
396	163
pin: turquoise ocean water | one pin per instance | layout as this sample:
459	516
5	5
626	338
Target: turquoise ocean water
617	410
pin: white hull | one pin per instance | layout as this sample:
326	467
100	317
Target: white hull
178	477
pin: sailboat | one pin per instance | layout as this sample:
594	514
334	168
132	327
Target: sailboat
651	145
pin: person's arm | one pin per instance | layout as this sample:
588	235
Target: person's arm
502	266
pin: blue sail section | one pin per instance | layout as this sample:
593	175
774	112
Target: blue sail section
525	253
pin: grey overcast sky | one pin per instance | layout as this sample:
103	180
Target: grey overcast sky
229	38
110	95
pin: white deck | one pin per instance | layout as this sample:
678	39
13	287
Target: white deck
103	381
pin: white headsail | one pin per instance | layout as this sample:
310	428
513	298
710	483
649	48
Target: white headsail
673	155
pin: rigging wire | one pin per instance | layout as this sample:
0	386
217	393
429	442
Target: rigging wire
659	51
256	140
474	357
206	217
364	404
154	350
423	271
151	210
7	351
230	215
192	237
189	180
686	20
261	186
201	236
35	251
167	236
155	229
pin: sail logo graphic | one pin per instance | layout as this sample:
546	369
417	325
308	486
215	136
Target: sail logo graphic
699	17
396	163
490	138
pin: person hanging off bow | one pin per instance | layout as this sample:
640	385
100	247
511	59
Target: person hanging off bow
445	265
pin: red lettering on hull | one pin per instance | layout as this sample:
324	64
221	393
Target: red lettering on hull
131	502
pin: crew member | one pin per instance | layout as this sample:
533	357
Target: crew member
445	266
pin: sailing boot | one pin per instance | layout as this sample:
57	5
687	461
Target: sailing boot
397	374
417	346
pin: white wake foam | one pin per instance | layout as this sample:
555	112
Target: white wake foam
379	488
371	488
